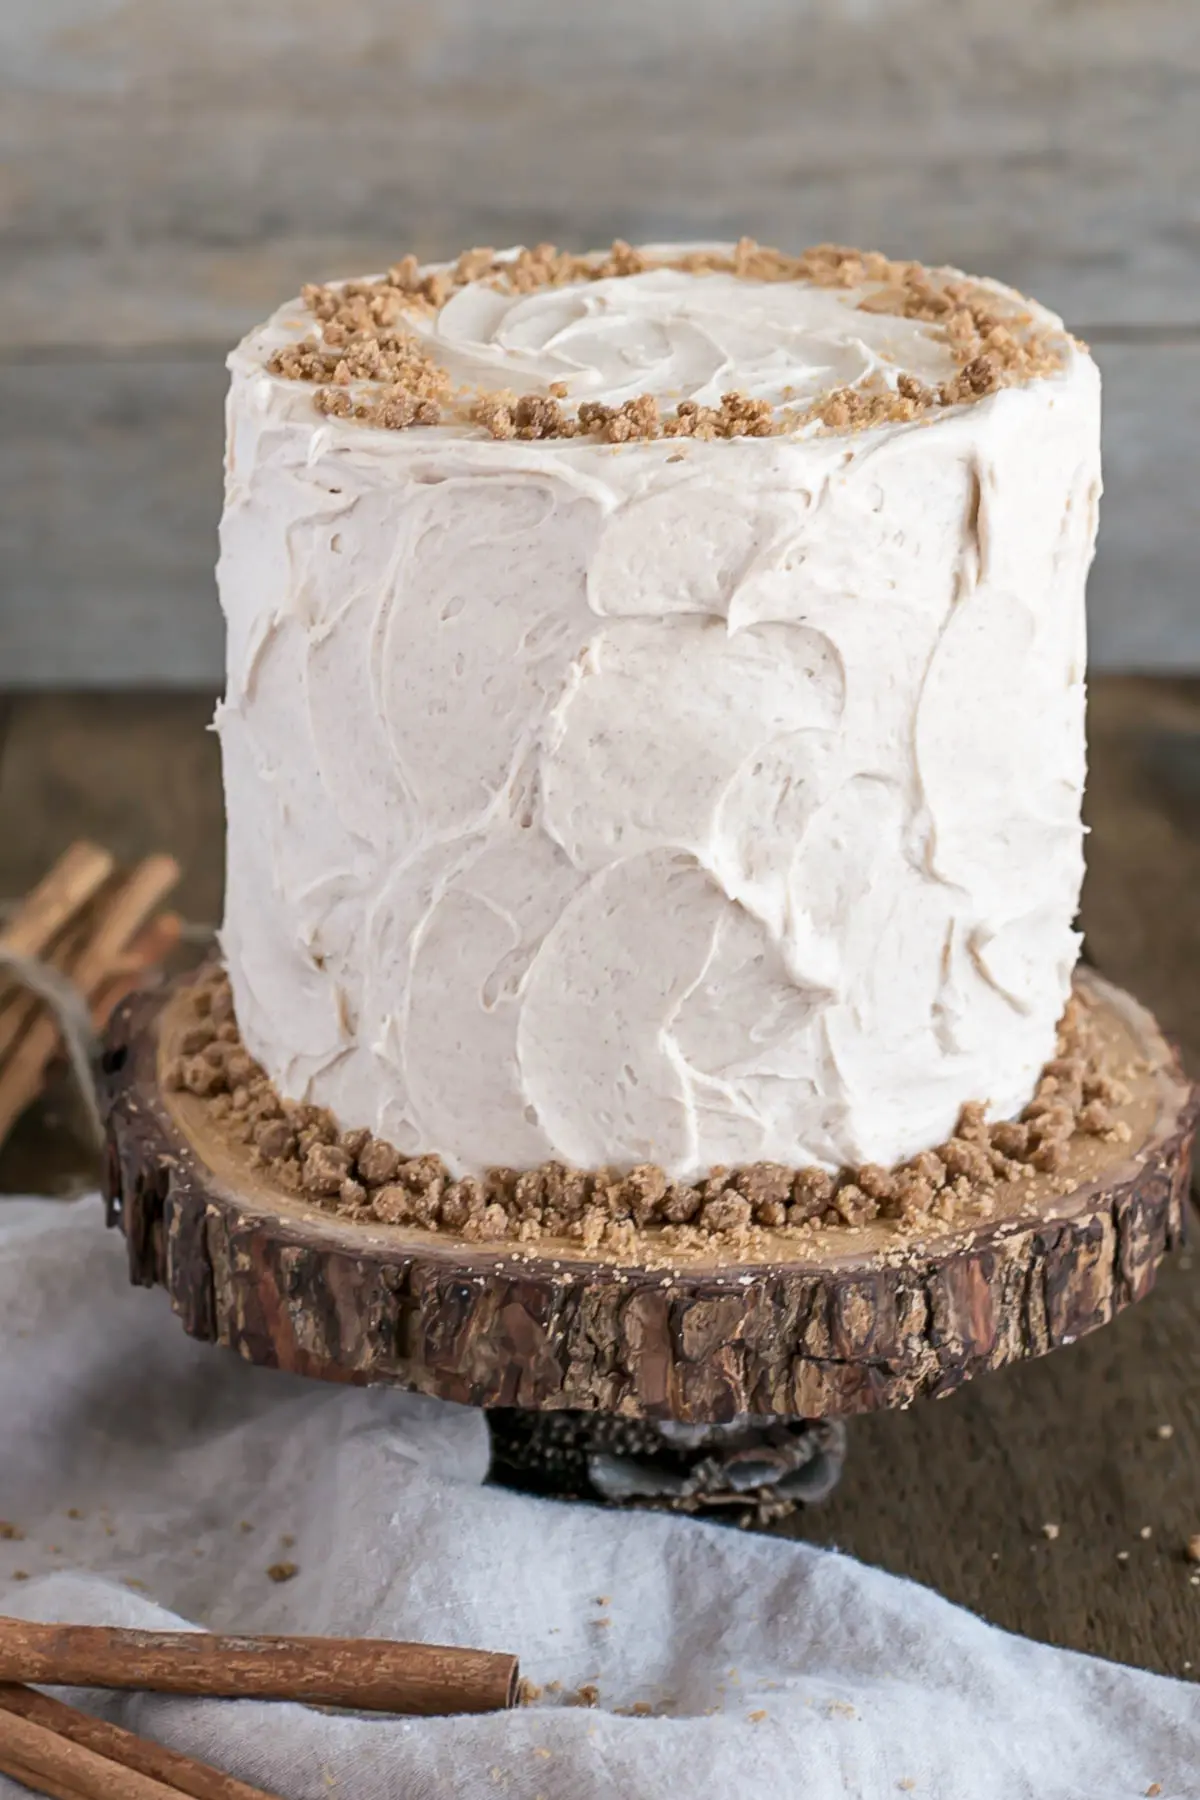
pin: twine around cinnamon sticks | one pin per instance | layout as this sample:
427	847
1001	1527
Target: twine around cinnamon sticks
78	942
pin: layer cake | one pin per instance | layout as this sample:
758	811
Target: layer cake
654	732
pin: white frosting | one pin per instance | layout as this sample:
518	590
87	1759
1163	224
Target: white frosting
676	801
677	336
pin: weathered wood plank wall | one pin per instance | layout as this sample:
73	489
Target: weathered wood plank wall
168	172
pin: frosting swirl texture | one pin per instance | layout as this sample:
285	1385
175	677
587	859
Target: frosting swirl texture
679	336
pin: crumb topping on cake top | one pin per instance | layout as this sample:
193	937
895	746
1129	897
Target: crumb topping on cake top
663	342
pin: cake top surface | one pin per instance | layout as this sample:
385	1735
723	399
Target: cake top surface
708	341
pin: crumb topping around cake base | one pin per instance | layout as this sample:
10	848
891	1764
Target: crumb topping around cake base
1093	1101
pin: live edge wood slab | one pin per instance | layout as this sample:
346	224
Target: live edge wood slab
860	1321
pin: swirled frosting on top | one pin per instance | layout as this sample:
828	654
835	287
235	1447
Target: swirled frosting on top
680	801
678	336
778	344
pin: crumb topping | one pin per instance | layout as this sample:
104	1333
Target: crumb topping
355	1175
362	337
411	386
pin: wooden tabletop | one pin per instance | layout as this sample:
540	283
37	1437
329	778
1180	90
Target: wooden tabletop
963	1494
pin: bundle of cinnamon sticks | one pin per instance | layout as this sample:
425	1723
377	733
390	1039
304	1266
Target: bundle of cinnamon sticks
57	1750
98	926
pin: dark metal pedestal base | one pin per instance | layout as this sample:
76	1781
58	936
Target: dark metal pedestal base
760	1468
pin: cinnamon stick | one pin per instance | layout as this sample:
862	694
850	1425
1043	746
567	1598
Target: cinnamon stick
151	945
79	873
50	1764
123	917
363	1674
120	916
25	1007
179	1773
39	923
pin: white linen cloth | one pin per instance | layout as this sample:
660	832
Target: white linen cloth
772	1669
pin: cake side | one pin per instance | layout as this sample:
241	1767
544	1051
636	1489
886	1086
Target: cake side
691	799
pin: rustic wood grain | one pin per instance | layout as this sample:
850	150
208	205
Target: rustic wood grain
171	170
168	174
110	494
813	1332
1143	611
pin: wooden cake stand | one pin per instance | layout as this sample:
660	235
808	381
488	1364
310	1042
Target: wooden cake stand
854	1320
